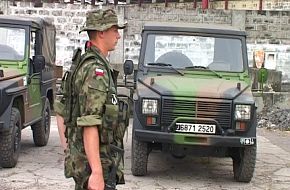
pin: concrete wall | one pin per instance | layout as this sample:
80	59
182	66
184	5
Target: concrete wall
3	6
268	30
273	80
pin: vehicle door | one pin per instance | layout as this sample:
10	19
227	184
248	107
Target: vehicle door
34	77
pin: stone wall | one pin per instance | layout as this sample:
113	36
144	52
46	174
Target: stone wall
68	19
253	4
3	7
175	12
268	30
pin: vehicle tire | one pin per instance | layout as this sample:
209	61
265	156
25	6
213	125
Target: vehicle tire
244	161
41	129
178	156
10	141
178	151
139	158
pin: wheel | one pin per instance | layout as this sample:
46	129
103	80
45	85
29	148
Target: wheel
10	141
244	161
178	151
139	158
178	156
41	129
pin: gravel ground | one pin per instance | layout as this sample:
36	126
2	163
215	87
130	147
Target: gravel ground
41	168
276	117
274	124
277	137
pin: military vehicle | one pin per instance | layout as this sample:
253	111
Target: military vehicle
27	83
193	96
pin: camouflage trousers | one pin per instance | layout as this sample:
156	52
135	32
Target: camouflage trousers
81	184
81	179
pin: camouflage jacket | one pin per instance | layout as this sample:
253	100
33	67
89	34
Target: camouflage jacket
95	104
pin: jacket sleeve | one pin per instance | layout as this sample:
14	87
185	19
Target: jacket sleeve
58	107
93	94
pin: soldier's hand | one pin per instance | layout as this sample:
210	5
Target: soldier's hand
96	182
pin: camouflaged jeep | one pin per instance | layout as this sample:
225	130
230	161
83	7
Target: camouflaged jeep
193	96
27	83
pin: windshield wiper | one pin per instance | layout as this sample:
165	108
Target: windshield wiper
166	65
196	67
206	68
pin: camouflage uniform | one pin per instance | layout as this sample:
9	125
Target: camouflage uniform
95	105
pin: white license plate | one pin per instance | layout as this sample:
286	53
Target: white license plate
195	128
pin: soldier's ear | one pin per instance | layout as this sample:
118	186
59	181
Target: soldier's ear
101	34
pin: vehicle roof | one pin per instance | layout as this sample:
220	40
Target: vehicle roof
22	20
193	27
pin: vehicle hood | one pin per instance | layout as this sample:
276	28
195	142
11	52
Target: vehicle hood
9	73
195	87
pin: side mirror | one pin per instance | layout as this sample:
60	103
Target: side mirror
128	67
38	63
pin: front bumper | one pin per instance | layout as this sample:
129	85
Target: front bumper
193	139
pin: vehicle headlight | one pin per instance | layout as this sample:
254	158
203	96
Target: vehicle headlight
149	106
243	112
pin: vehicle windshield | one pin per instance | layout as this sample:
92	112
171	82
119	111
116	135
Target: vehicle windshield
12	43
194	52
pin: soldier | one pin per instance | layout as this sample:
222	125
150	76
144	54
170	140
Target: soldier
91	110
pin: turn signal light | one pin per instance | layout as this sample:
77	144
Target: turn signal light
241	126
151	120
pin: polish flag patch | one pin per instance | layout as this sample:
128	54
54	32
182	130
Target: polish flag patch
99	72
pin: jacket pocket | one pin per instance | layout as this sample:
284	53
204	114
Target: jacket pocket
109	123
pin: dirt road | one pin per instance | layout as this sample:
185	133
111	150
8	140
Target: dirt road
41	168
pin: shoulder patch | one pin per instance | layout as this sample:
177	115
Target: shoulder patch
99	72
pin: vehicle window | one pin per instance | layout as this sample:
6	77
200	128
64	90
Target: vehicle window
32	44
12	43
181	51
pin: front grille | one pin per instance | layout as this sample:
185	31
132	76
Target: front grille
219	110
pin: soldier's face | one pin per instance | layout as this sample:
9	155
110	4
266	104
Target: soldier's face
111	37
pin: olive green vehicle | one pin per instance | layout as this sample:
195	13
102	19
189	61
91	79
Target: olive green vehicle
27	83
193	96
